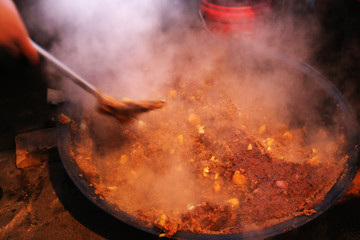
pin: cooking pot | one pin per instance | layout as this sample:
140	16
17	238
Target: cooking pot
331	101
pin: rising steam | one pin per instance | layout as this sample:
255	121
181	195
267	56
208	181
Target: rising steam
147	49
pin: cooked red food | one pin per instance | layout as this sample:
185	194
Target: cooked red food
205	165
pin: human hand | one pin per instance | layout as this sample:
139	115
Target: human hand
13	34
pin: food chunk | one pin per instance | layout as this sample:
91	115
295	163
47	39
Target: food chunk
194	120
238	178
63	119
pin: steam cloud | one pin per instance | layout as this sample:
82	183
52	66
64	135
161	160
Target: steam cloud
128	49
139	49
118	46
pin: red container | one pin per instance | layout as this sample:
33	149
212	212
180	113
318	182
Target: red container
233	17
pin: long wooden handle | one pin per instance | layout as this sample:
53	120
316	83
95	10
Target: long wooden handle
68	72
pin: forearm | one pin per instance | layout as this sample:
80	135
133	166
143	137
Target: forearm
13	34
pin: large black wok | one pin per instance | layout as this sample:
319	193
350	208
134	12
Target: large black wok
332	99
